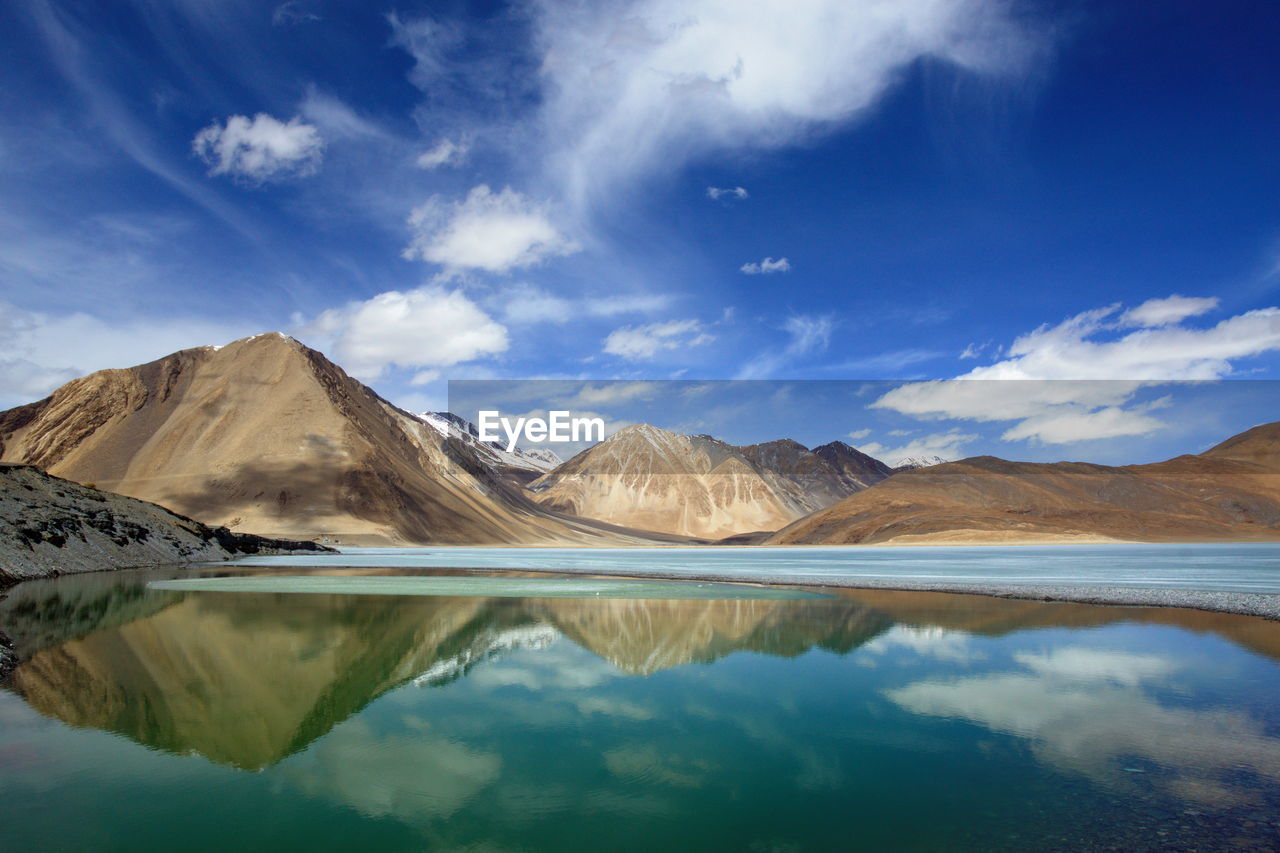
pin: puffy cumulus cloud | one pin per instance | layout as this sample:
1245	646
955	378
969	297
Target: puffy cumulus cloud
427	328
858	434
1171	309
525	304
717	193
1079	378
488	231
637	86
261	148
766	266
947	446
446	152
644	342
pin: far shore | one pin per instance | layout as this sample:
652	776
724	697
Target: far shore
1240	603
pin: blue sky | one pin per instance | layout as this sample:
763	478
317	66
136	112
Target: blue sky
655	189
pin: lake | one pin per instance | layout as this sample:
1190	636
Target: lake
379	708
1219	568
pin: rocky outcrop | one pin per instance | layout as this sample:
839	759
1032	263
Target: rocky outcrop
51	526
1228	493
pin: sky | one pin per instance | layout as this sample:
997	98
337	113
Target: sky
783	190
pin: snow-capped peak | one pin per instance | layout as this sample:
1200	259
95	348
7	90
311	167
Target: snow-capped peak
908	463
449	425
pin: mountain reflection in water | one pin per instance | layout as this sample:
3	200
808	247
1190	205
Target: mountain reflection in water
840	697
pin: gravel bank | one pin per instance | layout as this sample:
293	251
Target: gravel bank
1243	603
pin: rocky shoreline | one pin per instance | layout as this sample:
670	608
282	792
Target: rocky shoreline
50	526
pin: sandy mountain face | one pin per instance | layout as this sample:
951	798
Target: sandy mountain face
51	526
519	465
1228	493
267	435
652	479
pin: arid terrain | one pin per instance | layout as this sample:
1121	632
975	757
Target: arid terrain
268	436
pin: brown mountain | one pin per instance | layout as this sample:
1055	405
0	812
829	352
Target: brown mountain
1228	493
695	485
267	435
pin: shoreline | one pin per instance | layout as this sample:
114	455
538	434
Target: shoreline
1263	605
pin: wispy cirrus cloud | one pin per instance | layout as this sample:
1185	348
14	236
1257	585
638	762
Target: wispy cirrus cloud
639	87
645	342
807	334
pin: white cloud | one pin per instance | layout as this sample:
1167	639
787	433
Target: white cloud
261	148
643	342
1088	711
1081	376
337	120
428	327
446	152
807	334
493	232
1063	425
859	434
766	266
946	445
1171	309
717	193
294	12
525	304
1078	663
926	641
42	352
632	88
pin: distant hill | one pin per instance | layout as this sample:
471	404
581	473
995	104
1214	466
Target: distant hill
265	434
1228	493
649	478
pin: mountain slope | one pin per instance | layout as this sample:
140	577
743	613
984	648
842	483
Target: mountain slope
267	435
1228	493
648	478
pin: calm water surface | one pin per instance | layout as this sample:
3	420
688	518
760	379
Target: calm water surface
1225	568
151	719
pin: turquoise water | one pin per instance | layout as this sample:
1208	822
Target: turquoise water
1223	568
551	587
153	719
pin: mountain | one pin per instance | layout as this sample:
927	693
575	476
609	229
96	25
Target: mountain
520	466
911	463
268	435
648	478
857	469
1228	493
50	526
